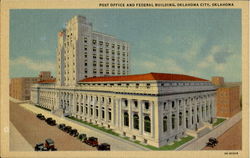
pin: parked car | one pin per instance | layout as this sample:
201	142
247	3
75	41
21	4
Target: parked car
82	137
40	147
92	141
67	129
40	116
103	147
51	122
61	126
74	132
49	144
48	119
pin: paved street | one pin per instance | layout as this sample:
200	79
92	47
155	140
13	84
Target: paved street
230	140
117	144
35	130
198	144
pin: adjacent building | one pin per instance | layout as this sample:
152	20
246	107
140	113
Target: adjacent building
20	88
227	98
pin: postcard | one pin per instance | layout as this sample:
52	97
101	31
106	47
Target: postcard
124	79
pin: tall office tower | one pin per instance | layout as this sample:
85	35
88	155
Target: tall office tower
84	53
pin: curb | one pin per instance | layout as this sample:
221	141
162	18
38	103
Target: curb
110	135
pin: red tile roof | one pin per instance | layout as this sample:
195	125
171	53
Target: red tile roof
47	81
144	77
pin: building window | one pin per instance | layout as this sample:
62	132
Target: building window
180	119
77	108
148	84
86	110
146	105
136	121
103	114
109	116
165	124
96	112
173	121
136	103
147	124
81	109
137	85
126	119
173	104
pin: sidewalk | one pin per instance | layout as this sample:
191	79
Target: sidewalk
117	144
200	143
17	141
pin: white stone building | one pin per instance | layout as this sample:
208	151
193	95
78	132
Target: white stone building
154	108
83	53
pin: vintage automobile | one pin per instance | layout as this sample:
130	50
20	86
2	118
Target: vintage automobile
92	141
61	126
48	119
74	132
67	129
103	147
51	122
40	147
40	116
82	137
212	142
49	144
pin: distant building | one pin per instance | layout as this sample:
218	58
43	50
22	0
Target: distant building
227	98
19	88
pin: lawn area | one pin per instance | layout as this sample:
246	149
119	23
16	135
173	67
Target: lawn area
166	147
218	121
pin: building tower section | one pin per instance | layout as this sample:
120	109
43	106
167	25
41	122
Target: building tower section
84	53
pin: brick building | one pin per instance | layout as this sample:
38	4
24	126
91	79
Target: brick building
227	98
19	88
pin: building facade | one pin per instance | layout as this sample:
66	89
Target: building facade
93	84
227	98
83	53
153	108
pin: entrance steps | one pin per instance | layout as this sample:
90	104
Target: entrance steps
199	133
58	112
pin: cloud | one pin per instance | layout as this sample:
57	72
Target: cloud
27	63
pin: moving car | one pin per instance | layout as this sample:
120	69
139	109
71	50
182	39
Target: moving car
212	142
49	144
104	147
74	132
40	116
82	137
92	141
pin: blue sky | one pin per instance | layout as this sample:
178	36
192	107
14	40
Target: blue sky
198	42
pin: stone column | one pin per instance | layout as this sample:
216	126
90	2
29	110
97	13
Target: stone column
120	112
209	110
113	110
130	113
100	109
177	115
88	106
152	118
170	117
140	116
106	109
184	113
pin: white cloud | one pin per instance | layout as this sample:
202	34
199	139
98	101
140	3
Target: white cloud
30	64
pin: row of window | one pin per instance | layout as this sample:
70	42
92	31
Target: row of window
107	44
185	84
